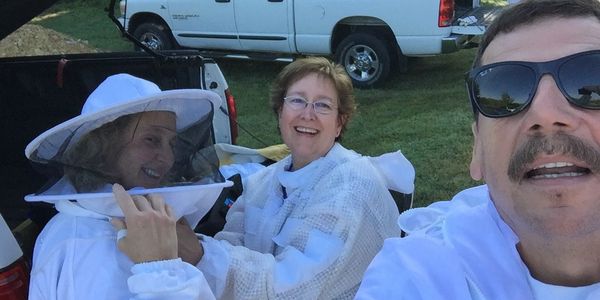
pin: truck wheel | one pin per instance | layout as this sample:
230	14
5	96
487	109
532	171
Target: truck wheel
153	35
366	59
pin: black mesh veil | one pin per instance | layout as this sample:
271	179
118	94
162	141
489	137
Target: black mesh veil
85	150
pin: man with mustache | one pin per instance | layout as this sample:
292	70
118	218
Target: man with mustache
533	232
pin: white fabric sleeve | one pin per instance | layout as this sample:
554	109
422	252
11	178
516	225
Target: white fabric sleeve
414	268
320	253
40	287
168	279
48	266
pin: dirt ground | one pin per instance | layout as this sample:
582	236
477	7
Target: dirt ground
33	39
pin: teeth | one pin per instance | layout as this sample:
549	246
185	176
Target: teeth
306	130
546	176
151	173
559	164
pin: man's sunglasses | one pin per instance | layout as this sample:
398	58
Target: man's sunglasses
506	88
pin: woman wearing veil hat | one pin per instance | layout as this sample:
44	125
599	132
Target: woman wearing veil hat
129	135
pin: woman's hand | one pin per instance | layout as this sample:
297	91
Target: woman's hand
190	249
149	225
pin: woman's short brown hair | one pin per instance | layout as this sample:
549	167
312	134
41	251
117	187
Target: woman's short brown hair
325	68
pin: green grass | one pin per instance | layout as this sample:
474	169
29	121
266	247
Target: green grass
424	113
85	20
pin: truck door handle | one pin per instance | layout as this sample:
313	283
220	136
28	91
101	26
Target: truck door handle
275	0
222	1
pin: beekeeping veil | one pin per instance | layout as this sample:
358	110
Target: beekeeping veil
80	163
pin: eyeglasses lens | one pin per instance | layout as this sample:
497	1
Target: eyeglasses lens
503	90
320	106
580	80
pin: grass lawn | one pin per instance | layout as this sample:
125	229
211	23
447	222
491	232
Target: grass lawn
424	113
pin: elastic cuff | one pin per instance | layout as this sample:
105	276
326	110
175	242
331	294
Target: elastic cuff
158	265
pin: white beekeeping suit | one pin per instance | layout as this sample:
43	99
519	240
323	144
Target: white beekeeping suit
308	234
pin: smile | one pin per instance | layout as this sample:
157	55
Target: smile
151	173
306	130
556	170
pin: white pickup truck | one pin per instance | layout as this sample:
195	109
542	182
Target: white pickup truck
368	37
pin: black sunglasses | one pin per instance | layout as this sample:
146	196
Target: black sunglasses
506	88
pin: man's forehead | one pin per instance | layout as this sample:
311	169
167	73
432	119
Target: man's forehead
546	39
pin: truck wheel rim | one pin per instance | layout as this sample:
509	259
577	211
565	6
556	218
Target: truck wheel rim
151	41
361	62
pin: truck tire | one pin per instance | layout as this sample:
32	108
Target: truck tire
365	58
153	35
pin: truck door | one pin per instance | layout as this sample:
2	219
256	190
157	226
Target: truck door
265	25
205	24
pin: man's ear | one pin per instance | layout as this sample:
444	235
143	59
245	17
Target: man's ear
477	158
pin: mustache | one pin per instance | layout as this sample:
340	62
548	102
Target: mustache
559	143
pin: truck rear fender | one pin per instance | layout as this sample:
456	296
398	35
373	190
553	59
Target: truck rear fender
145	17
370	25
150	18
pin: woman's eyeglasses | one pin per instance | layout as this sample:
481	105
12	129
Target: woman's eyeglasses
323	107
506	88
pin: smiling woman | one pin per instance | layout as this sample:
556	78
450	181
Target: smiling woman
310	130
326	91
125	150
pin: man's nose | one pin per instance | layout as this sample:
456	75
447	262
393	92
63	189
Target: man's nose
550	109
